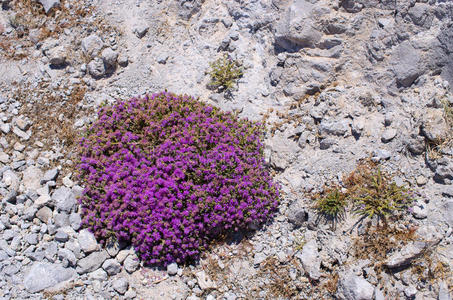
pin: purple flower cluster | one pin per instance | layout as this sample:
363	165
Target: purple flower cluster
169	174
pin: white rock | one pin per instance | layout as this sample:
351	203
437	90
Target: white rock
49	4
310	259
32	178
92	45
45	275
204	281
87	241
353	287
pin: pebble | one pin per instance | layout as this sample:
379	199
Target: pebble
172	269
120	285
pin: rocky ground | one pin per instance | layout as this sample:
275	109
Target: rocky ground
334	81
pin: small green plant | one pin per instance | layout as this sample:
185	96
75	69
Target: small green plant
448	112
332	206
224	72
378	196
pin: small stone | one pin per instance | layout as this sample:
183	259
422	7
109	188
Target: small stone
61	220
172	269
381	154
259	258
419	212
64	199
388	135
61	236
204	281
96	68
87	241
31	238
4	158
42	200
111	266
123	60
75	220
91	262
5	128
68	255
11	197
57	56
31	178
30	213
120	285
297	214
421	180
49	4
99	274
122	255
22	134
67	182
434	126
92	45
405	256
44	214
130	294
410	291
326	143
353	287
140	30
19	147
310	259
50	175
131	263
162	58
43	190
109	56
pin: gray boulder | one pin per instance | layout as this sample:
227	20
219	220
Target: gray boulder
420	14
406	64
405	256
91	262
338	128
310	259
45	275
448	212
434	127
64	199
296	213
297	29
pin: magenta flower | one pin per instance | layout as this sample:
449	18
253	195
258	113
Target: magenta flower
169	173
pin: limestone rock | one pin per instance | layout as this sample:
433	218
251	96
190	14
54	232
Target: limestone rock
45	275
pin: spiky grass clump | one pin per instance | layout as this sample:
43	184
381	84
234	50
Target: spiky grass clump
169	173
332	204
224	72
373	193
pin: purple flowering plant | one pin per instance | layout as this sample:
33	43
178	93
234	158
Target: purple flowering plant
169	174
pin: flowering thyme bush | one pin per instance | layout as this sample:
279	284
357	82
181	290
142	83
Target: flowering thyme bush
169	173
